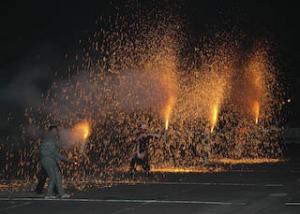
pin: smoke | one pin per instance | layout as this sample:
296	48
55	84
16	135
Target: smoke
23	90
93	97
25	81
68	139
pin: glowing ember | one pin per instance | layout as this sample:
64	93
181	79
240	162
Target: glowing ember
214	117
168	111
256	111
167	124
246	161
169	83
257	94
82	130
185	170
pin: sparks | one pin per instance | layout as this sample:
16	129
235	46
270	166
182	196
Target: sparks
256	109
168	80
146	83
82	130
167	124
168	111
214	117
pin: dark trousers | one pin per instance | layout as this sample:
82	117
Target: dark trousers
136	160
42	176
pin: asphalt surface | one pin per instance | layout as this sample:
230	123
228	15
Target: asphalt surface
262	188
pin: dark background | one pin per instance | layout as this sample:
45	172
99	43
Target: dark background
36	37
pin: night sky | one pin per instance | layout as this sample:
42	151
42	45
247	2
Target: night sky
35	37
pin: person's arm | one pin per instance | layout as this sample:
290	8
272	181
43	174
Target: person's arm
60	157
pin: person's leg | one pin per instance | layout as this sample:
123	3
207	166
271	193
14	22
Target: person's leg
133	163
49	166
145	164
55	188
58	181
42	177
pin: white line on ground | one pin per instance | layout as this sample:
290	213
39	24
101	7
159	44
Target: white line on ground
125	201
200	183
292	204
278	194
16	205
131	208
273	185
209	184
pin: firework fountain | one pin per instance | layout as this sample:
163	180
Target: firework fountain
221	108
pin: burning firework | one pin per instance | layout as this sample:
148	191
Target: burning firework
77	135
256	110
168	111
214	117
258	77
165	64
133	77
81	130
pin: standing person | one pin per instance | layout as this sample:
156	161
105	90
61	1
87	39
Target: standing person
49	158
140	155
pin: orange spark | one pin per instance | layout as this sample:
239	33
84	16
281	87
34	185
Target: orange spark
82	130
214	117
258	92
256	109
168	110
167	124
246	160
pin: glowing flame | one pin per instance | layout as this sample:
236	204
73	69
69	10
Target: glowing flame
258	77
82	130
165	66
214	117
168	111
256	110
167	124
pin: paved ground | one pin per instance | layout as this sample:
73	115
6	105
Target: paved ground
267	188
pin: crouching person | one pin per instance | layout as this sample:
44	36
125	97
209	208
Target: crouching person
49	159
141	154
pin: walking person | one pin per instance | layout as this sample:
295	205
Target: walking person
49	159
